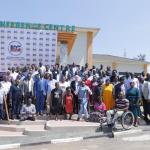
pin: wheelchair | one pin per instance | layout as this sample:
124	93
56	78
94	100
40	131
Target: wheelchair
126	120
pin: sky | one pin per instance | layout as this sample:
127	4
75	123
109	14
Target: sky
124	24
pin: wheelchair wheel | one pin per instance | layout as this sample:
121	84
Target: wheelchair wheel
127	120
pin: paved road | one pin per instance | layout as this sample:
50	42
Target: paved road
128	141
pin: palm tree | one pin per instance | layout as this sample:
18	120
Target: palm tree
141	57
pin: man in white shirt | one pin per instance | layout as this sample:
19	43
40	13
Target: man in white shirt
74	68
35	72
2	94
42	68
51	86
6	84
146	101
135	80
28	111
13	74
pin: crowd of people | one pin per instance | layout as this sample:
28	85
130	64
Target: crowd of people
66	90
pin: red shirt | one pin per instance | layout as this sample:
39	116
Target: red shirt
88	83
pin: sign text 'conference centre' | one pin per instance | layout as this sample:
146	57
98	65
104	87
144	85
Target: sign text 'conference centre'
63	28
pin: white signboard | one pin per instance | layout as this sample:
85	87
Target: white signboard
20	47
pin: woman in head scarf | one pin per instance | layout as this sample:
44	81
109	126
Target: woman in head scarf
133	96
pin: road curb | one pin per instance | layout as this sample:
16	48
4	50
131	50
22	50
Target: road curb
10	146
53	141
66	140
33	144
74	139
99	136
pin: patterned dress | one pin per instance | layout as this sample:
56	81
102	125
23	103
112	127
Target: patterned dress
133	97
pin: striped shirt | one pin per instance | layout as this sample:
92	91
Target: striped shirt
122	103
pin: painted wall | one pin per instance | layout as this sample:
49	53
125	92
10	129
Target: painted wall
121	67
138	68
105	64
148	69
78	54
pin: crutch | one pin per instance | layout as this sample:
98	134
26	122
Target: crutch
6	109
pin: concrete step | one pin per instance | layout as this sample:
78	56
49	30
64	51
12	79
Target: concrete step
71	127
35	130
52	117
11	128
10	134
27	122
68	127
21	128
69	123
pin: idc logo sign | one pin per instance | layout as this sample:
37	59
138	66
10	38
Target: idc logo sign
15	48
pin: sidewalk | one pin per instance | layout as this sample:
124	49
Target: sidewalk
40	131
29	133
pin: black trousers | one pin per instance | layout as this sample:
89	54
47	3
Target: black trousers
146	107
76	104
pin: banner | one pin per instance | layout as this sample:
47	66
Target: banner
20	47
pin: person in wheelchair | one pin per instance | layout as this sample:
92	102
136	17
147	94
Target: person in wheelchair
121	105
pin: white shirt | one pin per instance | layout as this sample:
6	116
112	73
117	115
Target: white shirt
2	93
51	85
147	90
48	71
6	86
30	110
90	78
64	85
34	73
43	69
104	79
123	89
14	75
30	85
136	82
74	69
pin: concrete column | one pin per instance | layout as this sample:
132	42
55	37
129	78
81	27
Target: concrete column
145	68
90	49
114	65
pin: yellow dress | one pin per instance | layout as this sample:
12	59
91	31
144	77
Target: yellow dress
108	96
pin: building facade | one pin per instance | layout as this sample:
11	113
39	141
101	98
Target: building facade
76	47
74	44
120	63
